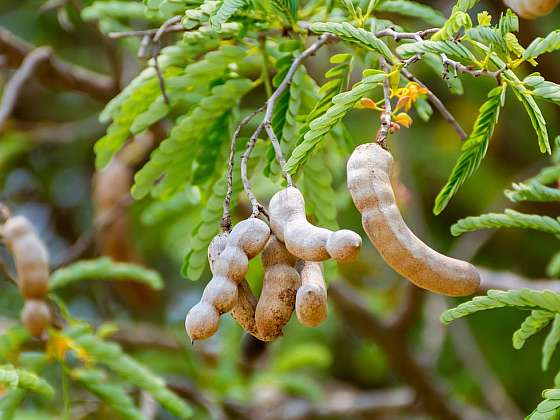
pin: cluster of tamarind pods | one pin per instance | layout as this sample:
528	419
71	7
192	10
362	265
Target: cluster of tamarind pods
292	251
32	272
531	9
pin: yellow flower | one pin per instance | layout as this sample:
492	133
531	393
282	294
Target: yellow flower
484	19
58	345
408	95
403	119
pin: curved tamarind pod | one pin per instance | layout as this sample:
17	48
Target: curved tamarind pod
531	9
369	169
30	257
246	240
304	240
311	297
278	294
35	316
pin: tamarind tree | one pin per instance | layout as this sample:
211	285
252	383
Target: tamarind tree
246	151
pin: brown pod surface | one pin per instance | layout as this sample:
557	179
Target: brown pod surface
278	294
30	257
229	261
311	297
35	316
369	171
531	9
304	240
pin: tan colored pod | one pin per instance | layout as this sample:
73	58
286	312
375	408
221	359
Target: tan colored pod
311	297
229	261
369	170
304	240
35	316
531	9
30	257
278	294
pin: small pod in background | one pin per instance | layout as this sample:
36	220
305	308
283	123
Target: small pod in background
30	257
311	297
531	9
36	316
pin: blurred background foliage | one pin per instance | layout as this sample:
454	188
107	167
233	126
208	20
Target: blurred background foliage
46	172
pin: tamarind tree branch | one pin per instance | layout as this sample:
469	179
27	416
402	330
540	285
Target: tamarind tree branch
271	102
461	68
418	376
226	217
385	115
16	84
255	205
56	73
157	48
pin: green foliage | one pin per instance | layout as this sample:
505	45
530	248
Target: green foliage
551	342
104	269
451	49
10	342
22	379
543	89
96	382
474	149
540	46
338	77
113	9
171	165
458	21
354	35
226	10
341	105
549	409
124	366
532	191
531	326
509	219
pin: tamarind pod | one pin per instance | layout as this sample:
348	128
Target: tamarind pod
278	294
215	248
30	257
531	9
368	171
304	240
35	316
311	297
246	240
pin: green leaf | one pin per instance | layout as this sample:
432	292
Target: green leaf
532	325
449	48
534	112
458	21
22	379
533	191
509	219
355	35
226	10
104	269
413	9
11	340
341	105
96	382
553	268
551	342
338	75
540	46
287	8
474	149
111	355
543	89
171	164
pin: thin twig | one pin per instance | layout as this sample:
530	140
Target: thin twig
438	104
385	128
157	48
271	102
461	68
255	205
16	84
149	32
398	36
226	218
